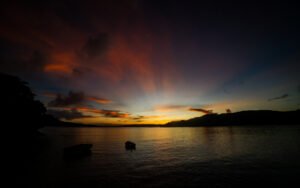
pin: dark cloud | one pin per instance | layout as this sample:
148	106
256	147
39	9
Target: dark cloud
105	113
138	117
114	114
280	97
96	46
73	98
68	114
201	110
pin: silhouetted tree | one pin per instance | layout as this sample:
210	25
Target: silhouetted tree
19	111
228	110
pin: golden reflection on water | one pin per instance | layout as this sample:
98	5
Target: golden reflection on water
216	138
199	143
166	151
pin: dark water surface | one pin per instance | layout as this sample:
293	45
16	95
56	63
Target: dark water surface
167	157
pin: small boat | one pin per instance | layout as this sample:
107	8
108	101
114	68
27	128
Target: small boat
77	151
130	145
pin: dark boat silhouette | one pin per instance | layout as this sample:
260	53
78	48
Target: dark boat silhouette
130	145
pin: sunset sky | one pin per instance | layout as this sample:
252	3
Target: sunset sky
151	62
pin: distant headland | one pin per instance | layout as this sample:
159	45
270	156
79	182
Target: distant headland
257	117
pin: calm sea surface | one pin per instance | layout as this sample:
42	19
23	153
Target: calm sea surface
167	157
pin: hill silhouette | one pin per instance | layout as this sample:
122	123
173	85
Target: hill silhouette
259	117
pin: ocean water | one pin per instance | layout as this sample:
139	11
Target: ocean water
166	157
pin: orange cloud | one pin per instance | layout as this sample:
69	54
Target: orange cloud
108	116
73	98
99	100
61	62
116	114
58	68
106	113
